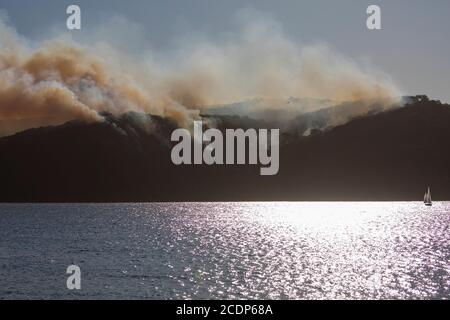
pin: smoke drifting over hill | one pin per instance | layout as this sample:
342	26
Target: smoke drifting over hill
58	80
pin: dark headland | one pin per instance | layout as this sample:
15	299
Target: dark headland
389	155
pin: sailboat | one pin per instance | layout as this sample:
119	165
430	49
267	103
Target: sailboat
427	198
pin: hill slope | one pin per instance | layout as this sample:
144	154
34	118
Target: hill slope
392	155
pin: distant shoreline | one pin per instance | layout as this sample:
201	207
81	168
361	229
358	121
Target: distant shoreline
385	156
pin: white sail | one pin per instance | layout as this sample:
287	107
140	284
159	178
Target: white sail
427	197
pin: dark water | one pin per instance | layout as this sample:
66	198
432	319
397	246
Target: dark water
226	250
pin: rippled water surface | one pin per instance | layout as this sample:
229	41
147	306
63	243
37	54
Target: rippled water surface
227	250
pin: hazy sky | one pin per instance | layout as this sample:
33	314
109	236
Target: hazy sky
413	47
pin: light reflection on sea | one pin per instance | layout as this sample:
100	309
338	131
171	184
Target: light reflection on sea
270	250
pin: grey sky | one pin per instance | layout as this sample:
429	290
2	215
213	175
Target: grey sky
413	47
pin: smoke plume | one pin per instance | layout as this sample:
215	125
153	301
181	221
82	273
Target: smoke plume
59	79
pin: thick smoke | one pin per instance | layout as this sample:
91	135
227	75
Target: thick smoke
58	80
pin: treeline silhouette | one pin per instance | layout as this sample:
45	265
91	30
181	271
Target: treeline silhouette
391	155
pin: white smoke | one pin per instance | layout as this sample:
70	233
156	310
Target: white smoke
60	79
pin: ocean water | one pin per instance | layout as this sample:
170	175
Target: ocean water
288	250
